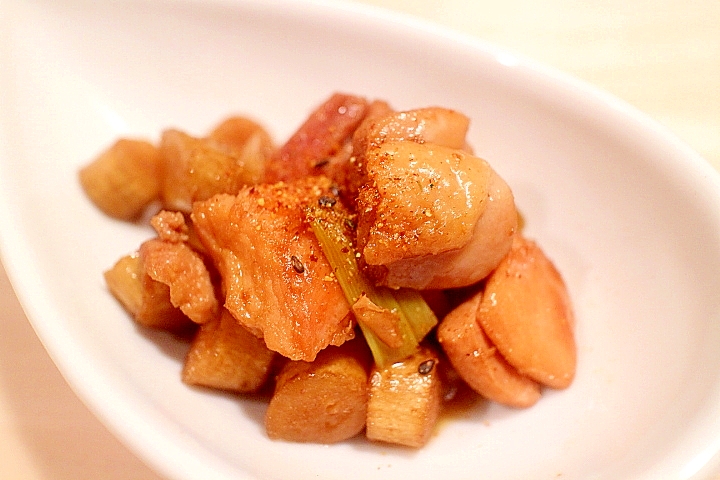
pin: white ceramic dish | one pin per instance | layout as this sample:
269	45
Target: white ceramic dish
630	216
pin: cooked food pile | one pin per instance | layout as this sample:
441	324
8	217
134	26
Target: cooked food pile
360	273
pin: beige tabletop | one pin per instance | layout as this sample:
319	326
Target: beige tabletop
662	56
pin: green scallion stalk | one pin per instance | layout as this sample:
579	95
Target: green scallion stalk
415	307
335	234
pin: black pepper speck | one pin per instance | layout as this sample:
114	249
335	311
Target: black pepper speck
327	201
297	264
426	367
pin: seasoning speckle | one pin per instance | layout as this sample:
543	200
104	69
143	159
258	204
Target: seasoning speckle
321	163
297	264
426	367
327	201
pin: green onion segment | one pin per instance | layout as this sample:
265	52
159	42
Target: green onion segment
335	233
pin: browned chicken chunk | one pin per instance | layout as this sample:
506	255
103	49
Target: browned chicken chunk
180	268
276	280
430	215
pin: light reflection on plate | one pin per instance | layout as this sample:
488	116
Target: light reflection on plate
630	216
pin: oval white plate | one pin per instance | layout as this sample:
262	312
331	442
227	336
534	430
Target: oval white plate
631	217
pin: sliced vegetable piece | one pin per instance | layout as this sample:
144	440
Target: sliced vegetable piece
323	401
225	355
416	309
405	400
527	313
124	180
334	230
477	360
124	280
195	169
147	300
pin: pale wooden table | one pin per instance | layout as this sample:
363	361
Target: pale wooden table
662	56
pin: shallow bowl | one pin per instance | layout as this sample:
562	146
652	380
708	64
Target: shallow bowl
630	216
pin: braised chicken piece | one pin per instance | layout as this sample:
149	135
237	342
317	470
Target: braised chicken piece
430	215
170	226
180	268
422	200
350	176
441	126
275	278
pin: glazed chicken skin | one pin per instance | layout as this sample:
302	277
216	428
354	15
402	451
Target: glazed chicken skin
276	280
430	214
169	260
